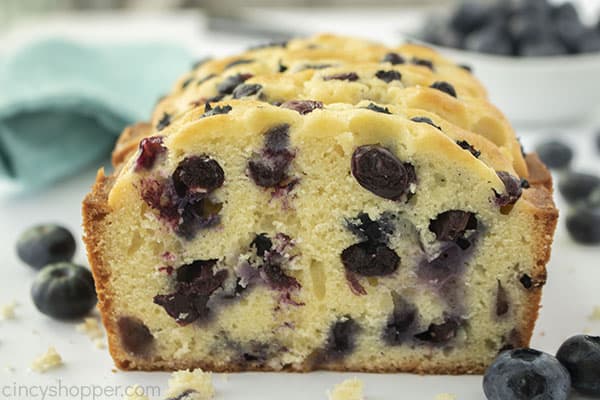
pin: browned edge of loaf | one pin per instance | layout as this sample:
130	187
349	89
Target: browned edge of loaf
95	208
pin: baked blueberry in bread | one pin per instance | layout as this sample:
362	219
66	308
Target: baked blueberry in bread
327	203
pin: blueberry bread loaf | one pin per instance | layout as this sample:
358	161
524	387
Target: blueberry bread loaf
322	204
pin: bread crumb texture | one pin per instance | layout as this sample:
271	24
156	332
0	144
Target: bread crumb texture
350	389
7	311
47	361
595	315
194	385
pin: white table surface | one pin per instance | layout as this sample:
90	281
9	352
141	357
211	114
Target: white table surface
569	296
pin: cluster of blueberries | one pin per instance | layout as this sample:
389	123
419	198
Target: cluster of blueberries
526	28
528	374
61	289
581	191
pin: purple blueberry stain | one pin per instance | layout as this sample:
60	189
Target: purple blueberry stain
379	109
422	63
502	303
195	284
228	85
467	146
268	167
401	323
246	90
379	171
135	336
452	225
440	333
346	76
425	120
393	58
444	87
164	121
242	61
388	76
303	107
210	111
512	191
183	201
150	149
341	340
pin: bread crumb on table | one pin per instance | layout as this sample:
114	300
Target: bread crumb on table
197	384
595	315
7	311
350	389
445	396
135	392
49	360
92	328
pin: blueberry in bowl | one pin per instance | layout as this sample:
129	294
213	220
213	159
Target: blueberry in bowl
45	244
64	291
532	55
526	374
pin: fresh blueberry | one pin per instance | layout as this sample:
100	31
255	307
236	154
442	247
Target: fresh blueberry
370	259
526	28
581	356
571	33
491	39
444	87
590	42
470	16
45	244
378	170
526	374
576	186
542	48
64	291
555	154
437	31
583	225
135	336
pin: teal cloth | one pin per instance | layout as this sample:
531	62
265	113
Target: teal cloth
63	104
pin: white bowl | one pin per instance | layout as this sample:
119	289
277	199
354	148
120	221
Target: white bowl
537	90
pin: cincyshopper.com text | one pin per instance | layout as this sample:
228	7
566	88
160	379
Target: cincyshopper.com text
59	390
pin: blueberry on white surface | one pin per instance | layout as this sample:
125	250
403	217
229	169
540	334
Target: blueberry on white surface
583	225
64	291
45	244
526	374
580	354
555	154
577	186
